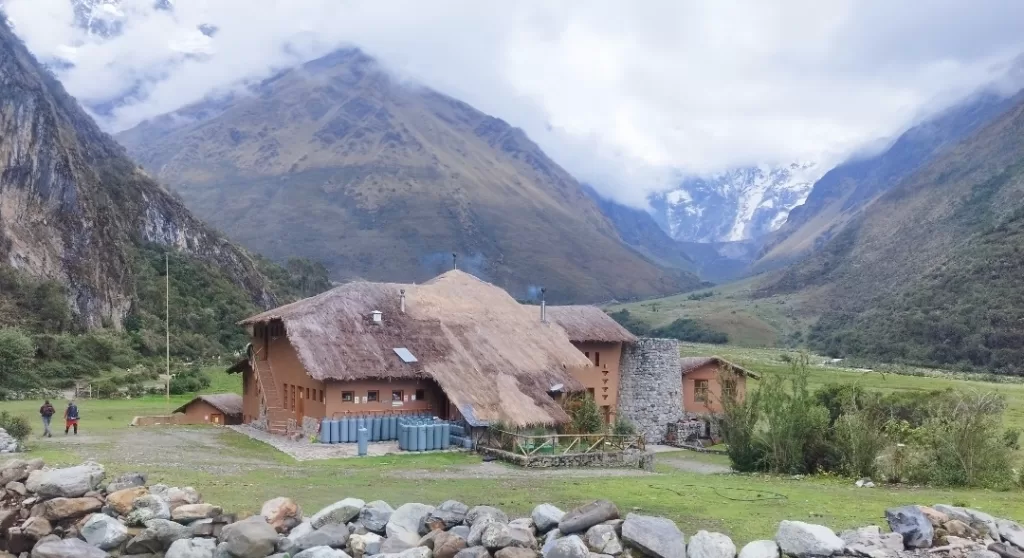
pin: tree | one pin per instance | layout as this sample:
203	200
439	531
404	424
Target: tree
16	352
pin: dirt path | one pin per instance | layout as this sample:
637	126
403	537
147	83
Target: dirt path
693	465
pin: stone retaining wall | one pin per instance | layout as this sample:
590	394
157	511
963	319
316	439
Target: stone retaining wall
651	386
630	459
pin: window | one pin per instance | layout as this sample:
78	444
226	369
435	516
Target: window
587	354
590	392
397	395
348	396
421	395
321	396
700	391
373	396
606	411
307	393
276	329
293	398
729	388
597	359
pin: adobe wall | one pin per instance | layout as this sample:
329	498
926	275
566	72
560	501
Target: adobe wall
709	372
650	386
603	377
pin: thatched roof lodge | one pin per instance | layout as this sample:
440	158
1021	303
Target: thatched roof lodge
491	358
589	324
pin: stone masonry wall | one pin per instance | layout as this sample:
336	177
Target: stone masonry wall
651	386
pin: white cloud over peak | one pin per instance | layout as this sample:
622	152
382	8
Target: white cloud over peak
625	95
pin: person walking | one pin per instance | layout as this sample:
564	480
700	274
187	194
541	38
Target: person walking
71	418
46	412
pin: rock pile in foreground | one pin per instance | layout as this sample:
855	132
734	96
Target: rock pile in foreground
7	442
76	512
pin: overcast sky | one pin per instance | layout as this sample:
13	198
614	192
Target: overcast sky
623	94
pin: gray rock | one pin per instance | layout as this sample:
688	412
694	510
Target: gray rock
546	517
67	548
251	538
15	487
656	537
953	512
103	531
549	540
515	552
710	545
760	549
127	480
585	517
334	535
147	507
447	545
474	552
285	545
800	539
981	553
449	514
479	512
1006	550
567	547
191	548
525	524
983	519
70	482
499	535
603	539
460	530
1011	532
157	537
177	497
912	524
14	470
282	513
365	545
301	529
405	522
192	512
872	543
36	528
339	512
428	539
375	516
321	552
416	552
477	530
394	546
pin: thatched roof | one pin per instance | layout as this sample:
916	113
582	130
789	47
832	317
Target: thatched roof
493	357
689	364
588	323
227	403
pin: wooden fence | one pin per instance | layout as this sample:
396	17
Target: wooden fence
547	444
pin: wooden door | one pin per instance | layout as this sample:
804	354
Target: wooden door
217	418
301	407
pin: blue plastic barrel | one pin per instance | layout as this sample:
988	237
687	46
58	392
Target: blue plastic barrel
351	430
341	426
446	435
375	435
421	438
332	431
403	437
392	427
438	435
325	431
364	441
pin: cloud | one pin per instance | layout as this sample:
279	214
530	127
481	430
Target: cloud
625	95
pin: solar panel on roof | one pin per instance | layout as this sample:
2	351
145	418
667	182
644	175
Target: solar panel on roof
405	355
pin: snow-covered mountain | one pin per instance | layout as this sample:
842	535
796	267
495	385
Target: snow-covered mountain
740	204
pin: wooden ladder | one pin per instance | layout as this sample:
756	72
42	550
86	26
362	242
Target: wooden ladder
277	415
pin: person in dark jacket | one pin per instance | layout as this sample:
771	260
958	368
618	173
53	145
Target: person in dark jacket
46	412
71	418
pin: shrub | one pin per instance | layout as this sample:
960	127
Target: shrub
189	380
16	353
18	427
963	441
586	417
859	439
623	427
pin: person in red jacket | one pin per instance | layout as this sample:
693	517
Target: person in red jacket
71	418
46	412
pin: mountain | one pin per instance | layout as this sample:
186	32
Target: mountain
77	212
384	180
841	193
930	271
741	204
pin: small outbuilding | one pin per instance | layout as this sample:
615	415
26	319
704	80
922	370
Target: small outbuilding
218	408
705	379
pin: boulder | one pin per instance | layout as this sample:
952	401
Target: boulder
103	531
710	545
395	546
14	470
911	523
321	552
546	517
364	545
16	488
301	529
341	512
36	528
477	530
796	538
479	512
405	521
17	542
69	482
1006	550
447	545
656	537
499	535
525	524
474	552
514	552
760	549
157	537
334	535
191	548
981	553
460	530
585	517
67	548
981	519
870	542
550	538
568	547
177	497
59	509
1011	532
415	552
121	501
603	539
449	514
375	516
127	480
958	528
250	538
428	539
935	517
146	508
282	513
188	513
8	518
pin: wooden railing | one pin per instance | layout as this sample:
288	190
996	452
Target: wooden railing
526	444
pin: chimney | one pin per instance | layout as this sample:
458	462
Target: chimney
543	306
403	300
455	261
378	316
